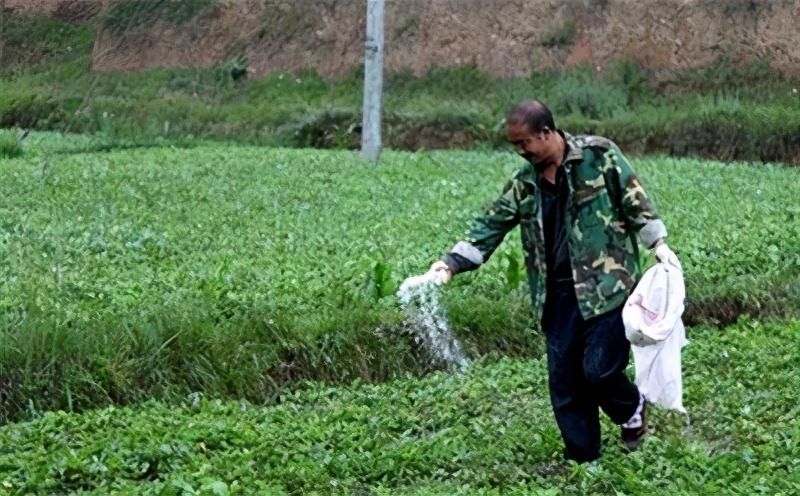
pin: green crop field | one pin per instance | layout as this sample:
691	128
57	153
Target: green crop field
213	281
235	270
489	431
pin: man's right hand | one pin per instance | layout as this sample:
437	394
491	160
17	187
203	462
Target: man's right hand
439	273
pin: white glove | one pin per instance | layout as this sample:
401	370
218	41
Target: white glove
439	273
666	255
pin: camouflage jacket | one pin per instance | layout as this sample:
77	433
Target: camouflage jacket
606	208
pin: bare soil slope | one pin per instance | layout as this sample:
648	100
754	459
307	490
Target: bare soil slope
505	38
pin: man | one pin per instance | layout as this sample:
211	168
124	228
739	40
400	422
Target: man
580	208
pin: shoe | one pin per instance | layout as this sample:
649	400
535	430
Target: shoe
632	437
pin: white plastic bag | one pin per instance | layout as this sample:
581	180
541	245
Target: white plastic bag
652	318
655	306
658	370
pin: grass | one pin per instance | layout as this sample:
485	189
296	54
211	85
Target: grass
489	431
234	270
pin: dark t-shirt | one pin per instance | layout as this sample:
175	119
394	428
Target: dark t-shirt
554	204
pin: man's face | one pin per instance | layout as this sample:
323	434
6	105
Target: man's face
534	147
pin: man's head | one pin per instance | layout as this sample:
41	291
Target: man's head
532	132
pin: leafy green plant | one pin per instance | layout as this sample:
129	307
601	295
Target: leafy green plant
238	271
489	430
515	271
380	283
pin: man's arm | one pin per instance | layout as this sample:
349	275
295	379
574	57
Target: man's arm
486	232
638	208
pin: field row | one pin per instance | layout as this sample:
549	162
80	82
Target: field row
235	270
488	431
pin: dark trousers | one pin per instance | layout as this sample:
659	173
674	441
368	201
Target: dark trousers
586	361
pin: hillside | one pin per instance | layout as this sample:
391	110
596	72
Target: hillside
504	39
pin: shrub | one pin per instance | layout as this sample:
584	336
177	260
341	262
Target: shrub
130	14
562	36
582	92
30	110
10	147
327	129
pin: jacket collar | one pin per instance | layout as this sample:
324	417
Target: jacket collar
574	148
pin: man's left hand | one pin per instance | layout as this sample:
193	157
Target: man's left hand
666	255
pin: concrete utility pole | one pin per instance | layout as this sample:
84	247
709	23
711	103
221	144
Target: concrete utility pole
373	83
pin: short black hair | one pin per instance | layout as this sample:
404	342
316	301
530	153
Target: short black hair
534	114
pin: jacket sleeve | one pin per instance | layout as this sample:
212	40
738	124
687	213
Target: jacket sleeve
638	209
486	232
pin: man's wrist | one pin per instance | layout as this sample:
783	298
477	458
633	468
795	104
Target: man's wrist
459	263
